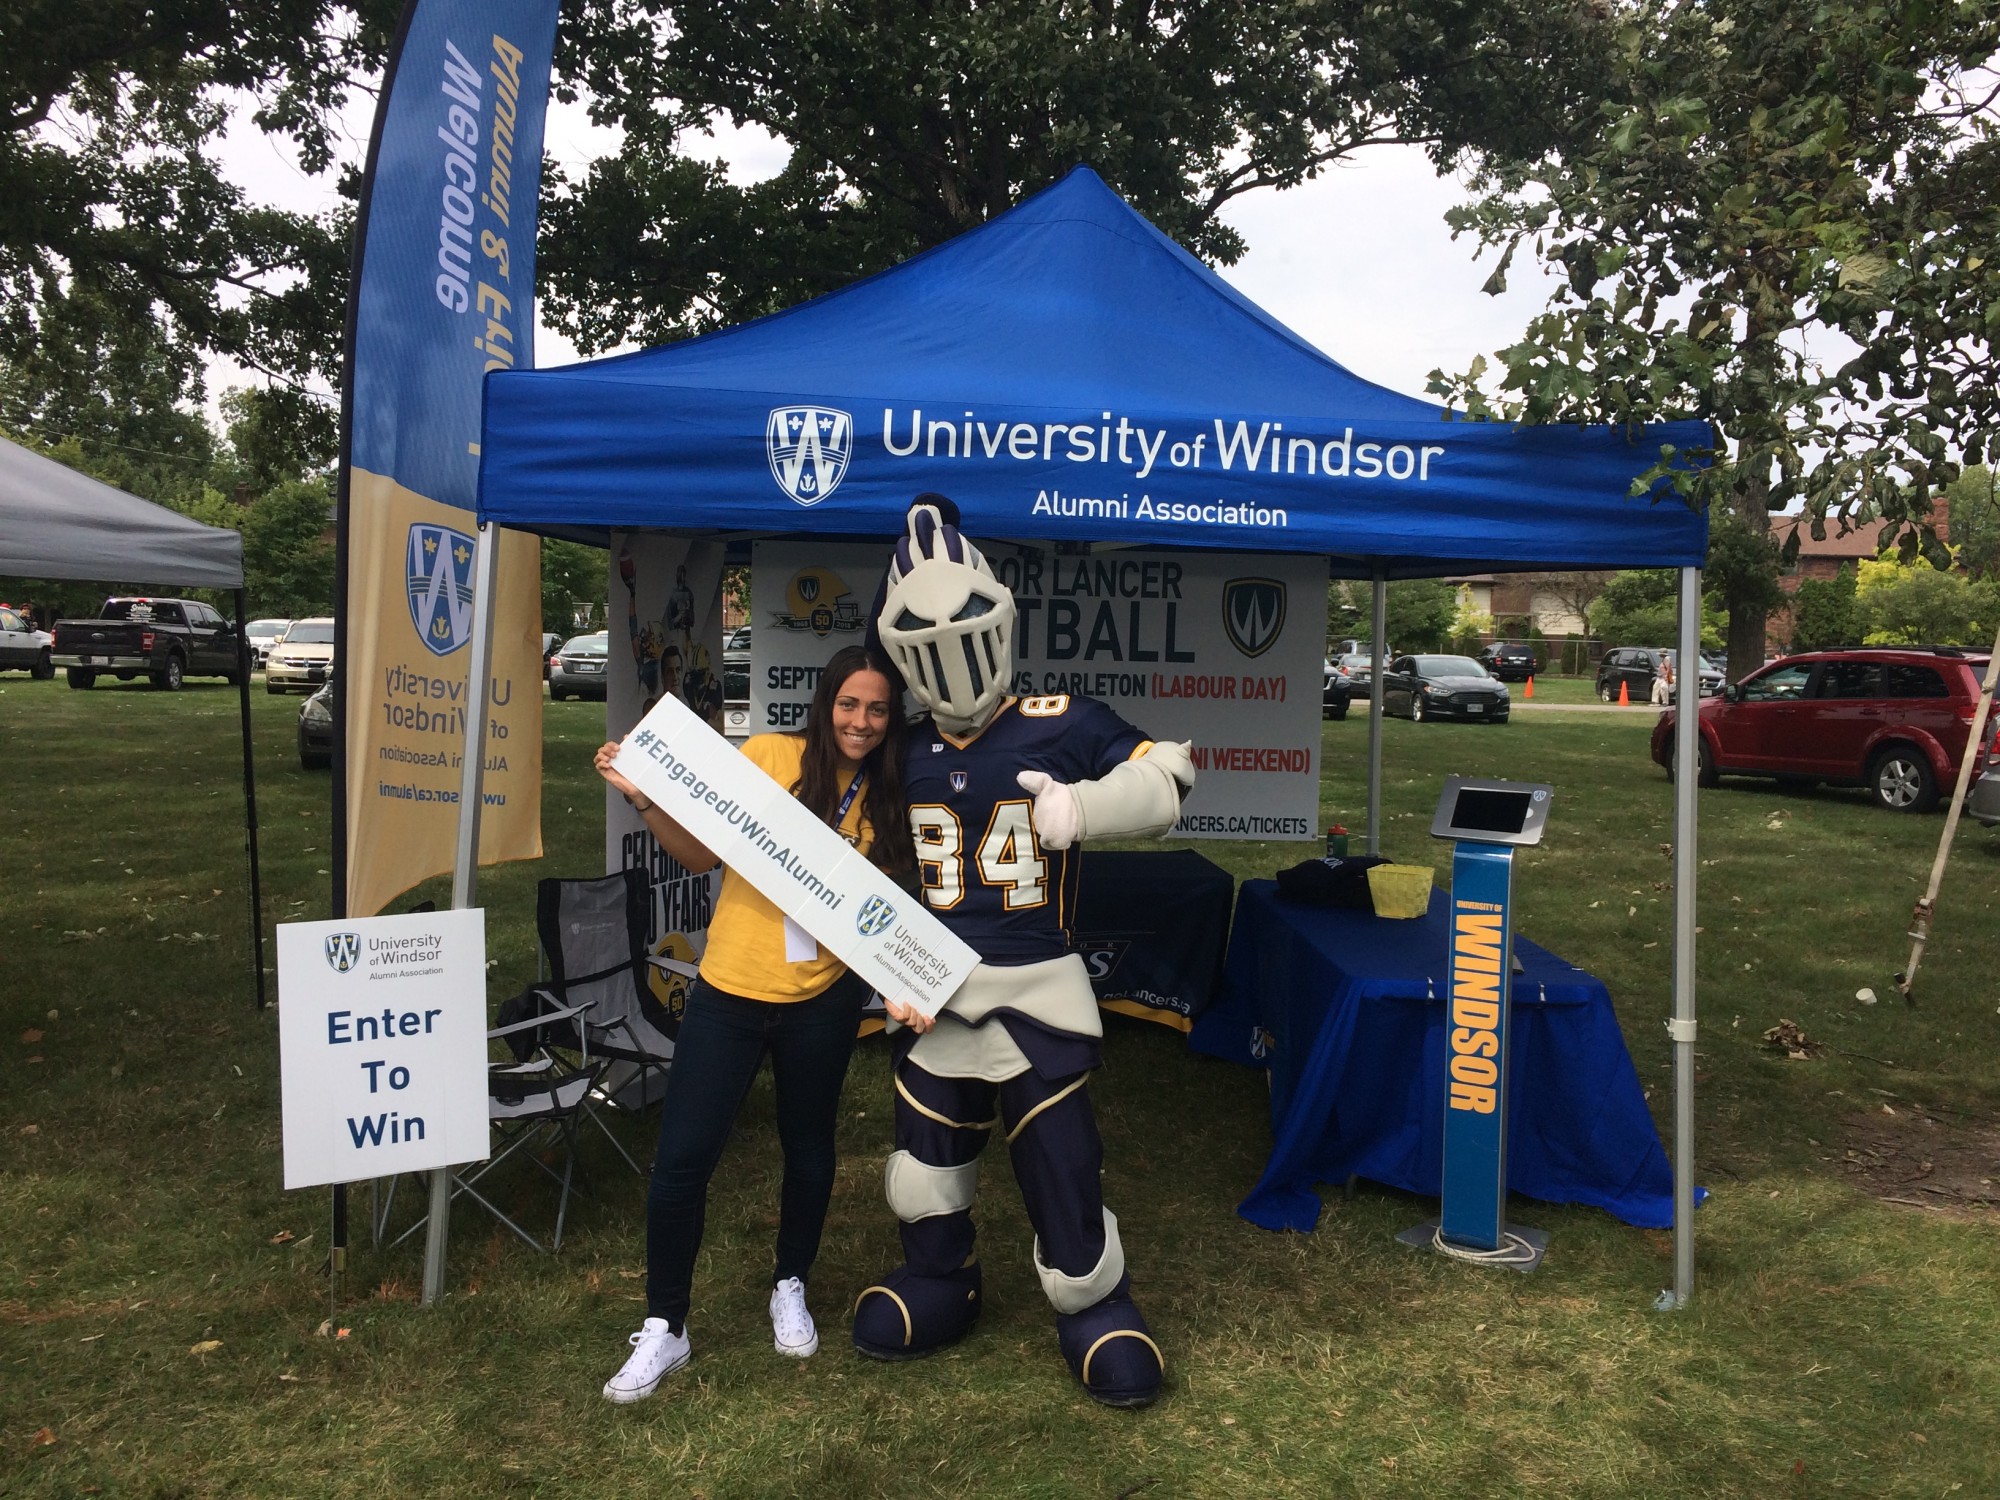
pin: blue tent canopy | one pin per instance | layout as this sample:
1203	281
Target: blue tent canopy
1065	372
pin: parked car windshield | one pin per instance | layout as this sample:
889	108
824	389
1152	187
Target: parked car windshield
265	629
586	645
310	633
1450	666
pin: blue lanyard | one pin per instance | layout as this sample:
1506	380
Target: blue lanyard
846	802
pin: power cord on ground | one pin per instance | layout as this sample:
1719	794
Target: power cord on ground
1512	1250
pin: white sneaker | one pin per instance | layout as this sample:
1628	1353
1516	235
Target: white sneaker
791	1325
656	1354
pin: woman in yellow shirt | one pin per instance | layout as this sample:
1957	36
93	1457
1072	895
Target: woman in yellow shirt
765	987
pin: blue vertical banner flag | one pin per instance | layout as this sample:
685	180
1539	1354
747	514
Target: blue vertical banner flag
443	293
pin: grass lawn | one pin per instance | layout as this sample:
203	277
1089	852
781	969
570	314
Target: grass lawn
162	1295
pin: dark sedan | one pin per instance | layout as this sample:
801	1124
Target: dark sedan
1335	694
316	730
1510	661
1443	687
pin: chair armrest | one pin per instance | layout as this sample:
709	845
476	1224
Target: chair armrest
545	1018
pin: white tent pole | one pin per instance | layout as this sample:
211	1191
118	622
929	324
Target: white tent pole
1687	777
1378	626
465	861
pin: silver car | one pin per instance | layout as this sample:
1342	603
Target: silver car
579	670
1983	803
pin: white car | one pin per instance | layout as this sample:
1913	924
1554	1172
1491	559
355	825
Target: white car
303	660
24	648
263	635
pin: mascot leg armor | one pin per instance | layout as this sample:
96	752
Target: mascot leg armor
933	1298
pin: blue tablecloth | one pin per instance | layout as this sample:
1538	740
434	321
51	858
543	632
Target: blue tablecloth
1347	1010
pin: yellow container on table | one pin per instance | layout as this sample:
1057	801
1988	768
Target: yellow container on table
1400	890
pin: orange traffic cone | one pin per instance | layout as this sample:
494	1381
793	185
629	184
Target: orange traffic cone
1531	689
1624	696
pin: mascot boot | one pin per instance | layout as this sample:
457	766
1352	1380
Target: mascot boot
1104	1339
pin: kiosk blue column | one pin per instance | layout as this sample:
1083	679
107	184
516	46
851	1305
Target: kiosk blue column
1488	821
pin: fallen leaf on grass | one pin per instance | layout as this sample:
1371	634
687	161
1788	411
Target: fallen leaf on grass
31	1130
1790	1037
288	1376
35	1059
206	1346
31	1036
46	1438
283	1237
325	1328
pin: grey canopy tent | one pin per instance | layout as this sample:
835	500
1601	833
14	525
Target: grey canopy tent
60	524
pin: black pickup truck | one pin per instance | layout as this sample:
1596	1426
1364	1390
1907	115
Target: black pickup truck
167	639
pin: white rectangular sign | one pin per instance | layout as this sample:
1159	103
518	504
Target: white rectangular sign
382	1041
1224	650
804	868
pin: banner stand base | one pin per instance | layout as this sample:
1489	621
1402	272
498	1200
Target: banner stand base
1521	1248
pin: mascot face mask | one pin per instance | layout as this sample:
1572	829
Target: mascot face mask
948	623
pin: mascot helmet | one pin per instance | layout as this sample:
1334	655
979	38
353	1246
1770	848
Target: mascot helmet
947	622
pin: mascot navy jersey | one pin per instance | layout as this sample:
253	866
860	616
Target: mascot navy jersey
985	874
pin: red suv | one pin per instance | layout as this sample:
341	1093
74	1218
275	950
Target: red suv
1892	720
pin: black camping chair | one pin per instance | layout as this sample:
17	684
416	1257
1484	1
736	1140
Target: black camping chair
533	1105
598	998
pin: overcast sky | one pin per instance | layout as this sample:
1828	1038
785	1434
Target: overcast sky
1359	262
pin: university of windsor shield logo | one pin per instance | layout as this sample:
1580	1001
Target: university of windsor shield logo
1253	613
440	585
875	916
809	448
343	951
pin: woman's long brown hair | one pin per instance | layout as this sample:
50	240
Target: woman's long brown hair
822	783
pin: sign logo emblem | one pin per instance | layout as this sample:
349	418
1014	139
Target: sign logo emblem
875	916
818	599
1253	613
958	779
809	448
440	585
343	951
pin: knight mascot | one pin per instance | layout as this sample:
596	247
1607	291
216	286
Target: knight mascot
1002	792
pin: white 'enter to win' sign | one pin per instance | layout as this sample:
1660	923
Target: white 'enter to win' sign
804	868
382	1040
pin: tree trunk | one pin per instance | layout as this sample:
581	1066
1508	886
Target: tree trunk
1748	613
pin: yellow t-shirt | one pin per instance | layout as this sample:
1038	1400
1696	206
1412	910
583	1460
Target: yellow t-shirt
746	938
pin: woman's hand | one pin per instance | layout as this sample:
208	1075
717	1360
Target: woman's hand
606	753
907	1015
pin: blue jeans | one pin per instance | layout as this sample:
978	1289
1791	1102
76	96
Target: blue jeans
723	1041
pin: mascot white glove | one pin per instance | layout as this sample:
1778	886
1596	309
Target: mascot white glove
1058	816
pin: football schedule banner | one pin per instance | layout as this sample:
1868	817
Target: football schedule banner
1222	650
382	1044
443	293
804	868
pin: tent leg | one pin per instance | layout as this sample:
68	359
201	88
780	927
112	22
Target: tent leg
465	863
1378	626
250	808
1687	709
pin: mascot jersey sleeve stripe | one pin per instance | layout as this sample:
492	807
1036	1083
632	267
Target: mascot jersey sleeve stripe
983	870
746	940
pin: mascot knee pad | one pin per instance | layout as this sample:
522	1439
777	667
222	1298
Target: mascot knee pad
1111	1351
917	1190
906	1316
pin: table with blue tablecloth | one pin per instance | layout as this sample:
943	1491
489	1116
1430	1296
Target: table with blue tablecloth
1347	1010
